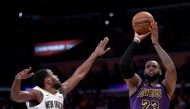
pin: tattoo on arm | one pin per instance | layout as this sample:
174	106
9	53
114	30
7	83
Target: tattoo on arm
171	75
166	60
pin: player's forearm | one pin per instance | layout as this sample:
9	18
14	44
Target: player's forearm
80	73
84	68
124	64
15	89
166	60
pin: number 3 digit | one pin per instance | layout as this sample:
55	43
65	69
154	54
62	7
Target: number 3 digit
155	104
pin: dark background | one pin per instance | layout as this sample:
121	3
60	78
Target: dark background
52	20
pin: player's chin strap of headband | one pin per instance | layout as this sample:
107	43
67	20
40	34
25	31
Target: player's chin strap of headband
125	60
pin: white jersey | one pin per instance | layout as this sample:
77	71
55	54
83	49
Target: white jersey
50	101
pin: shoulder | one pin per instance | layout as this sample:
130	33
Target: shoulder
36	92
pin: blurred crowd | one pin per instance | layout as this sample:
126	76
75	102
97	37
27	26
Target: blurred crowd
89	93
93	99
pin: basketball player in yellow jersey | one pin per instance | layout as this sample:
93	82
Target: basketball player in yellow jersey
49	92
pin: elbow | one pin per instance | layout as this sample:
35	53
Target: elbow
79	76
125	70
171	68
15	98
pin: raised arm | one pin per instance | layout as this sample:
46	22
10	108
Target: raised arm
170	77
132	79
84	68
16	93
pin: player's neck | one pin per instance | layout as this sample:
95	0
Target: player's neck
50	90
153	83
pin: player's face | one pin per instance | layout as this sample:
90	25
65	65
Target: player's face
54	80
152	71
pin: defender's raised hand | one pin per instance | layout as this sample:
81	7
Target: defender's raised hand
100	49
24	74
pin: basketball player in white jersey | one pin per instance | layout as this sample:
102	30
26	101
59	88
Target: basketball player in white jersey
49	92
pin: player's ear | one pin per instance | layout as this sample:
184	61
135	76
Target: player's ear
160	72
47	80
144	72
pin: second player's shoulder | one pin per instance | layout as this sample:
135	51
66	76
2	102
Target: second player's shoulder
37	92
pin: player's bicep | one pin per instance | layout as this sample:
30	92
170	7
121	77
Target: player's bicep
170	82
68	85
25	96
133	83
64	88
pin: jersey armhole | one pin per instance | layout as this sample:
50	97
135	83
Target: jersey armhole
136	90
60	90
165	90
29	103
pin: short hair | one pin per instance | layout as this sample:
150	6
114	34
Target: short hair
40	76
153	61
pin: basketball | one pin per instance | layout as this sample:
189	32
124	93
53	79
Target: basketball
141	22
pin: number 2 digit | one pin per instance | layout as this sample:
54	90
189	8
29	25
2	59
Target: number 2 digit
146	104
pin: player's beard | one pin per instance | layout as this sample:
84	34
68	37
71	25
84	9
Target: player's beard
57	85
152	78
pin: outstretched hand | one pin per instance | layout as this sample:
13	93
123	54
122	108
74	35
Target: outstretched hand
24	74
100	49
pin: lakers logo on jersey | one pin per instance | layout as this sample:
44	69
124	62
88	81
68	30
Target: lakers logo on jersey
150	93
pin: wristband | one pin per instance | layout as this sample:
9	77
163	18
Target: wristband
137	40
